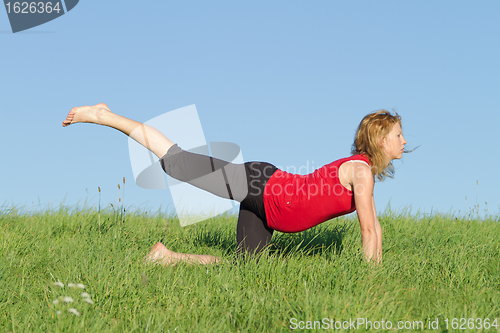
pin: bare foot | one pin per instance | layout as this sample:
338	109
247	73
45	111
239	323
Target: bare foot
159	254
86	114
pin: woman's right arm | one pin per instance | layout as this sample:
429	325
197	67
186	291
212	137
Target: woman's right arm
363	183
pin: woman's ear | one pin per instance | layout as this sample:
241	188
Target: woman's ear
381	141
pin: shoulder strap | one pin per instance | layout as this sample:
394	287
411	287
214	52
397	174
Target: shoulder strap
361	161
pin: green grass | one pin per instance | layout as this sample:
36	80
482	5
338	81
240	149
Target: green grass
434	267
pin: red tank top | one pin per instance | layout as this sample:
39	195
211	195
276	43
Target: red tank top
295	203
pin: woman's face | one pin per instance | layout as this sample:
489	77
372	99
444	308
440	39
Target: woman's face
394	143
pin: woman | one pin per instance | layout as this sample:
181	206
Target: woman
272	199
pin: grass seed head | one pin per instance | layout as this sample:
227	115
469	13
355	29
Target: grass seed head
74	311
88	300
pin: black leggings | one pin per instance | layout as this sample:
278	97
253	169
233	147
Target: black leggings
241	182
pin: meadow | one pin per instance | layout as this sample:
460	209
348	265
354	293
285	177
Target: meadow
436	270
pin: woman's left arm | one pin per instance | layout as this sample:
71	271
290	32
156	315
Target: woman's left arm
378	228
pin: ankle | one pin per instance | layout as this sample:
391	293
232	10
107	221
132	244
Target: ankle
103	116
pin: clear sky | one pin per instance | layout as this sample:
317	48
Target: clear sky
288	81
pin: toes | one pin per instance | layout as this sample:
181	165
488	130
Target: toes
67	121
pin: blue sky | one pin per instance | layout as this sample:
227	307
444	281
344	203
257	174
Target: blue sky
288	81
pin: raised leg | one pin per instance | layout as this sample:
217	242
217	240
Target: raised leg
100	114
153	140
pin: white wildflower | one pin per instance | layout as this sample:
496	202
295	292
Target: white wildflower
74	311
71	285
80	285
88	300
59	284
67	299
58	312
55	301
85	295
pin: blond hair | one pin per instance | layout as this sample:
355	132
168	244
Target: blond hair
372	128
